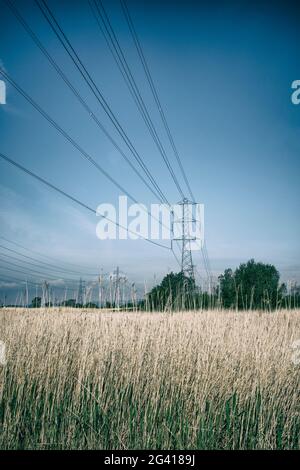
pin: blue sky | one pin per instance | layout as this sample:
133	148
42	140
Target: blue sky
223	73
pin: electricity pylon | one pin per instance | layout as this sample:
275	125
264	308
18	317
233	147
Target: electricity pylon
46	294
100	279
186	220
81	292
118	278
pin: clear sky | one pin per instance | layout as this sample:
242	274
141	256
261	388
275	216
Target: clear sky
223	71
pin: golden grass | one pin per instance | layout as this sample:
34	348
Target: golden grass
91	380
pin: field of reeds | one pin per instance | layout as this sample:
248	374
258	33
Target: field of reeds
113	380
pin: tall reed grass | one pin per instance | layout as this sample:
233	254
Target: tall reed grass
192	380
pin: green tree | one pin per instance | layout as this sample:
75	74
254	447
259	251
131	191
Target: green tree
253	285
176	291
227	288
36	302
91	305
69	303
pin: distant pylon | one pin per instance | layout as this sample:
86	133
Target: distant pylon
185	221
118	279
117	287
46	295
100	279
81	292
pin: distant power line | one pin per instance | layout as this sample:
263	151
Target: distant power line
154	92
162	114
51	258
77	201
58	31
76	92
31	282
83	153
118	54
111	39
17	280
40	264
28	271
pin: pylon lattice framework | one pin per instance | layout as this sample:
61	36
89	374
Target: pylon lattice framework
81	292
186	220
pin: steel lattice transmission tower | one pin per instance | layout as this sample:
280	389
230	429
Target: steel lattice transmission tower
81	293
186	220
117	280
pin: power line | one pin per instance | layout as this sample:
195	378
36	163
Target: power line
83	153
67	136
77	201
47	13
206	262
49	266
209	273
35	284
74	143
122	64
75	91
41	265
154	92
34	271
16	280
161	111
24	256
176	257
41	254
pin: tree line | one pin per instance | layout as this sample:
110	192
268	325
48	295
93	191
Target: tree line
251	286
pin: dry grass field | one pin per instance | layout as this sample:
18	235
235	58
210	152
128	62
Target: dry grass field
198	380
